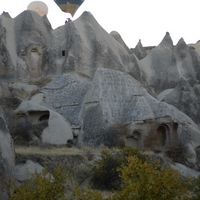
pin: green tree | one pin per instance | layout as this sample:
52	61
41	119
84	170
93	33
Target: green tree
147	181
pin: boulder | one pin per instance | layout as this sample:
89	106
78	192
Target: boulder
185	172
24	171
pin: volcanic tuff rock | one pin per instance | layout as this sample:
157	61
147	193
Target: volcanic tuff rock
185	97
83	46
118	37
65	95
139	50
23	171
7	156
104	108
166	64
58	130
25	42
84	84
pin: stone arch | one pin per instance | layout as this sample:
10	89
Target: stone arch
163	134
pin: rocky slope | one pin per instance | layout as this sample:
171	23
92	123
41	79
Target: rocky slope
79	85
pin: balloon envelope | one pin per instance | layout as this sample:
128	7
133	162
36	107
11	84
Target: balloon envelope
38	6
69	6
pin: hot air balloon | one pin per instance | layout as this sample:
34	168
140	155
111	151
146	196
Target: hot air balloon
38	6
69	6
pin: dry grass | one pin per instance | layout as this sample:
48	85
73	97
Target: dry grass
47	151
58	151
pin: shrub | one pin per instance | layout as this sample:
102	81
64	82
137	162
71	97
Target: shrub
87	194
22	133
47	185
104	171
195	188
129	151
154	140
105	174
115	135
147	181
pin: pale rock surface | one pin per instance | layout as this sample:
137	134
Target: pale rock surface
58	130
139	51
24	171
185	171
118	37
184	97
25	42
5	14
65	95
103	108
83	45
166	63
7	157
33	36
197	47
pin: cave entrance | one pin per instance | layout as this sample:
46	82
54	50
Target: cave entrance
162	134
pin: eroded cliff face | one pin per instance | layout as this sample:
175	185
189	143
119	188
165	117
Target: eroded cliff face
166	64
80	84
7	157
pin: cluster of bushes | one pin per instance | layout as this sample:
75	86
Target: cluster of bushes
128	174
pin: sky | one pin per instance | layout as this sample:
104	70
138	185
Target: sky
134	20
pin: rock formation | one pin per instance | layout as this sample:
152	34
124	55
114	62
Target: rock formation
7	157
81	85
139	51
166	64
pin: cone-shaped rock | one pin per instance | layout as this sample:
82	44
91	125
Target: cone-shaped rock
139	50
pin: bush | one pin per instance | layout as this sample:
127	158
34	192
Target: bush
147	181
47	185
114	137
129	151
104	171
87	194
195	188
22	133
105	174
